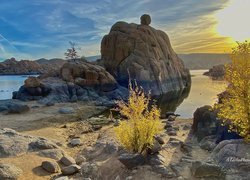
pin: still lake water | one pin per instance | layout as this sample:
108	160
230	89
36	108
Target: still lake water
203	92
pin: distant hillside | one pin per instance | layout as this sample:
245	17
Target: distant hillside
54	63
203	60
93	58
193	61
27	67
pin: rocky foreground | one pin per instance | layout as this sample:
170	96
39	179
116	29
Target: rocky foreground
87	148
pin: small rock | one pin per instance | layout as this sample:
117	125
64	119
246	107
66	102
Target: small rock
75	142
67	110
110	148
175	143
134	171
52	153
186	127
117	122
145	19
208	143
131	160
73	99
50	103
64	126
15	108
200	170
96	127
159	139
9	171
118	178
67	160
172	133
176	128
171	118
70	170
156	160
90	170
50	166
164	171
62	178
186	148
156	147
80	159
129	178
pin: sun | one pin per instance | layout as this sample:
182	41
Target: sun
233	20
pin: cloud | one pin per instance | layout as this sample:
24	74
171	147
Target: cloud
42	28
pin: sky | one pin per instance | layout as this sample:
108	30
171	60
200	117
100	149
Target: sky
32	29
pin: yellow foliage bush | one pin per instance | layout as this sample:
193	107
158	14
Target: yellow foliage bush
136	132
235	107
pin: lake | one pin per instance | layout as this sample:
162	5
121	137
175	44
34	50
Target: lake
203	92
8	84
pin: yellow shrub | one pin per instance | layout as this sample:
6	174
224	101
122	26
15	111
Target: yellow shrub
136	132
235	106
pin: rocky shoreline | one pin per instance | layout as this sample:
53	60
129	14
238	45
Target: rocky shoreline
87	148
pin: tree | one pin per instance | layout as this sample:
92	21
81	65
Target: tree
234	108
71	53
136	132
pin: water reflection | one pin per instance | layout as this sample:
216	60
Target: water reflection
203	92
171	100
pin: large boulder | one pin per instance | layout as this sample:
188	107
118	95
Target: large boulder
9	171
204	122
234	156
77	80
86	74
13	143
132	51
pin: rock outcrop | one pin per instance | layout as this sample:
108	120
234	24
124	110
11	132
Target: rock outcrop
143	53
234	156
76	80
216	72
14	144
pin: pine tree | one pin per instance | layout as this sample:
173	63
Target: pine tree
71	53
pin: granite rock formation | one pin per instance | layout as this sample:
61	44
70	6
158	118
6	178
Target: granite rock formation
216	72
75	81
143	53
